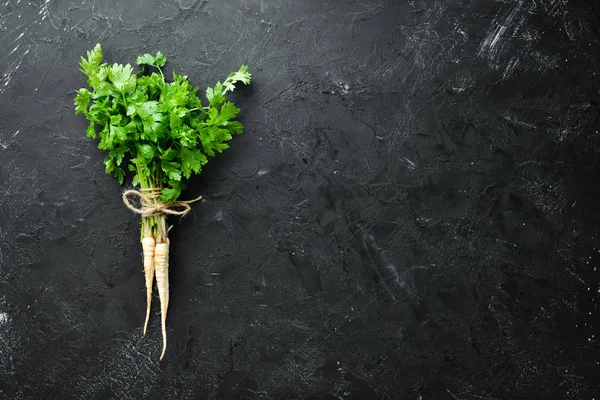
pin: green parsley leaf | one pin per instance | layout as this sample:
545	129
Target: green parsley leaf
169	155
240	76
171	169
121	76
82	101
191	161
145	59
91	131
171	193
160	59
147	151
228	111
215	95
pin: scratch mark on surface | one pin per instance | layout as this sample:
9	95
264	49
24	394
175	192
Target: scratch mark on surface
491	46
13	31
373	245
411	165
515	121
13	59
343	86
510	67
8	75
19	37
15	49
3	318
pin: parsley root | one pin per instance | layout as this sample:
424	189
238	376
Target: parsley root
148	249
162	133
161	257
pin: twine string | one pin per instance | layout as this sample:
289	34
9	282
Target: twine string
151	205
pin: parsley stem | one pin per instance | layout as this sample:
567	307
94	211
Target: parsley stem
159	70
124	100
198	109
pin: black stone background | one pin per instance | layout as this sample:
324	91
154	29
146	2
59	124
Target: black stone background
412	212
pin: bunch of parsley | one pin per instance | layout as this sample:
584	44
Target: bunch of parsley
161	132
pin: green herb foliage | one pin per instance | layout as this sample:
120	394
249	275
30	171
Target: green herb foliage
159	130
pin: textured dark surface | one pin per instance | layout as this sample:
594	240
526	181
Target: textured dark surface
412	212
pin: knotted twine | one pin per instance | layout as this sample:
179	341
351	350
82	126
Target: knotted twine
150	204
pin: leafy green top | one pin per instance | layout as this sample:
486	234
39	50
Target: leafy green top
153	126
